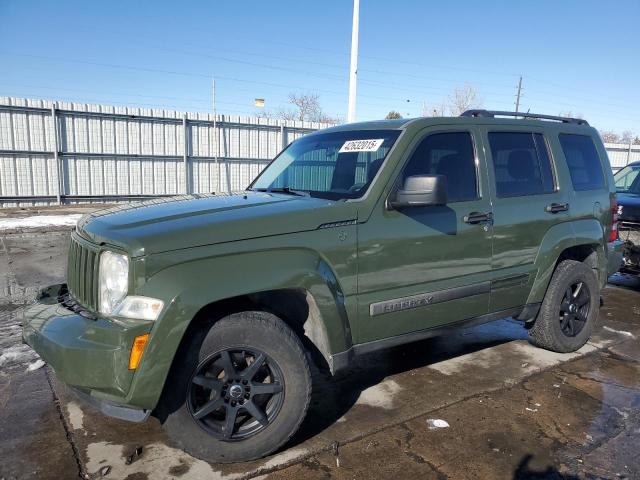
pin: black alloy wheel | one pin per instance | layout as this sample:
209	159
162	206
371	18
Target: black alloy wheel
236	393
574	309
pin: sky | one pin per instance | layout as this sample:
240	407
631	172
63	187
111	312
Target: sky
574	56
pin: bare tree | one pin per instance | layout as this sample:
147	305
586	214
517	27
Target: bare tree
287	114
393	115
626	137
306	107
261	113
570	114
610	137
464	98
435	110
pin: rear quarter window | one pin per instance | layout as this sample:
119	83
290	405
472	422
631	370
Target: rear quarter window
583	161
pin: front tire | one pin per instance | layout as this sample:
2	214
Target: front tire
569	310
244	395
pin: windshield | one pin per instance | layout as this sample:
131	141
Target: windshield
627	179
335	165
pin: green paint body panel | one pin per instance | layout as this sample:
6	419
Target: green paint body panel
193	251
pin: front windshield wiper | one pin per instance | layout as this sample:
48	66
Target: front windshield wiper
287	190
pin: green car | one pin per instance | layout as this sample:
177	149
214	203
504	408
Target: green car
208	311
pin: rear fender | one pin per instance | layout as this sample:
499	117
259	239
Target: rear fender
559	238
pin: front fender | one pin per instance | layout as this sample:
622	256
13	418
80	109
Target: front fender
189	286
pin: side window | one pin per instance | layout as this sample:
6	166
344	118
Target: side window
626	178
583	161
449	154
521	163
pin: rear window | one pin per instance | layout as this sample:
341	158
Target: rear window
521	164
583	161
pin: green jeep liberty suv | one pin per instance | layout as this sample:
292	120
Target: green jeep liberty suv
208	310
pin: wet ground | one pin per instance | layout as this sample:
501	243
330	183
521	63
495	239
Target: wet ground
510	410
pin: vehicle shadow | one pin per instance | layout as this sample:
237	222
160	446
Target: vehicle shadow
333	397
524	472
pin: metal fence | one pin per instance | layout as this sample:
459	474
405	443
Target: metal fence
78	153
75	153
621	154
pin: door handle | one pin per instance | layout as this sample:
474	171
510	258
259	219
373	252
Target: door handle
556	207
478	217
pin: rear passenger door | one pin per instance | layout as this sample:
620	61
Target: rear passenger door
526	204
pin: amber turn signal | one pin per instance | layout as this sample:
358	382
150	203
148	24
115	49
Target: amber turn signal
136	350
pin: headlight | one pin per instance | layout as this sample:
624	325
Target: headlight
143	308
113	281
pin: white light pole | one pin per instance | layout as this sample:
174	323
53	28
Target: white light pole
215	134
353	73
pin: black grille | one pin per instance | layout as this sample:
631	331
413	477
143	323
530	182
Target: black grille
82	272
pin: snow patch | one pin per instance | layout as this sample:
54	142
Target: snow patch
380	395
39	221
16	355
285	457
620	332
157	461
35	365
76	415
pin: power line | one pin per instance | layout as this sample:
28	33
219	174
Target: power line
198	75
393	60
414	88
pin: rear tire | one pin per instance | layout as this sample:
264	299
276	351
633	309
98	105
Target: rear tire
569	310
244	394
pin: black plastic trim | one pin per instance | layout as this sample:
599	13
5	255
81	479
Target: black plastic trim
130	414
500	113
342	360
424	299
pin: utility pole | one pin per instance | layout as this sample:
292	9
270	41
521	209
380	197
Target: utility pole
353	73
519	94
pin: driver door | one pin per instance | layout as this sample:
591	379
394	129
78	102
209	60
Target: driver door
424	267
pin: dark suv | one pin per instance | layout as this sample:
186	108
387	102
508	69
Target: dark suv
208	310
628	191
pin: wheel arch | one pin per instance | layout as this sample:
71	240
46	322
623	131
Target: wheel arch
581	240
267	281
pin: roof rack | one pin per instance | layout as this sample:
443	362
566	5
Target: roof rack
494	113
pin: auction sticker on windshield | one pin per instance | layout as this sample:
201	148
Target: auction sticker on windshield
361	145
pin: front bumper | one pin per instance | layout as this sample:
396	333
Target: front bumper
91	355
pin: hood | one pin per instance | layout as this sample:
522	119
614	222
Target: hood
195	220
628	207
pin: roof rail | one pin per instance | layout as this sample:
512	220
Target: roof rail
494	113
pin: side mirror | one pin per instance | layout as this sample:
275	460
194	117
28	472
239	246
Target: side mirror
421	191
